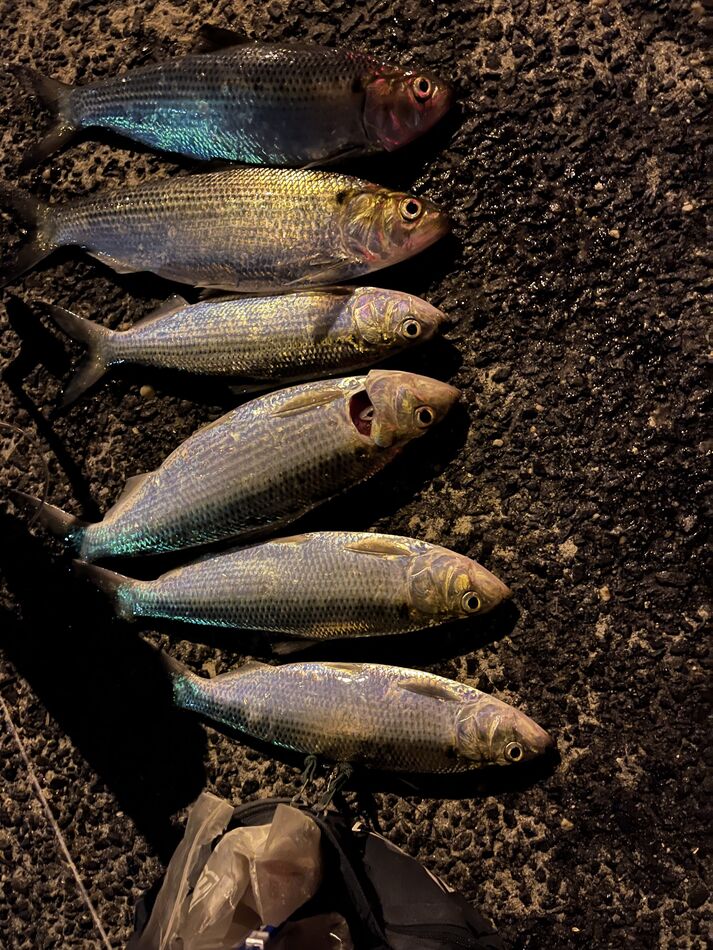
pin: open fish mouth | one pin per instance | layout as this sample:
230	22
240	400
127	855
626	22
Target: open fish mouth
361	412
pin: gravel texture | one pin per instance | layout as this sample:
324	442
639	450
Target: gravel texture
575	280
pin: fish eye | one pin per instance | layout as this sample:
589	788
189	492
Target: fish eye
411	209
411	328
471	602
424	416
422	88
514	751
366	415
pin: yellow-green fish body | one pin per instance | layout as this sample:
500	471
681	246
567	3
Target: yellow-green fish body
246	229
264	464
270	339
368	714
320	586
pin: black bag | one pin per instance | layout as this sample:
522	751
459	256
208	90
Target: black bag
388	899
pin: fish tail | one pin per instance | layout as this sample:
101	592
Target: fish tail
36	216
67	526
55	96
117	587
95	336
183	681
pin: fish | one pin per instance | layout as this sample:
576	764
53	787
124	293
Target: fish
289	104
319	586
261	465
367	714
270	339
245	229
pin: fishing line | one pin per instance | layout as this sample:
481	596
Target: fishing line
7	457
53	822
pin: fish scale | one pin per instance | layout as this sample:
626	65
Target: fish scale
246	229
257	337
364	713
318	709
321	585
277	105
262	465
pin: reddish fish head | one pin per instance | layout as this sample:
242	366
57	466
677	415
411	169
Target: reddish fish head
383	227
395	407
399	106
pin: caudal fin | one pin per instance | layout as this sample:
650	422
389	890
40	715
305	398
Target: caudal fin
36	216
117	587
95	336
62	523
55	95
184	682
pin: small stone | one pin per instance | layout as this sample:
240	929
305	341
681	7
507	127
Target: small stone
498	443
698	895
604	594
493	29
501	374
614	233
147	392
599	186
689	206
566	825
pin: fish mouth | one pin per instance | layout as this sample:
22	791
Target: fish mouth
361	413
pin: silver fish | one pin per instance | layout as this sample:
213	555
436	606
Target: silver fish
367	714
258	103
320	586
247	229
264	464
280	338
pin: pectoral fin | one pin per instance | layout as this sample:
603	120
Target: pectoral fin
432	690
306	401
381	546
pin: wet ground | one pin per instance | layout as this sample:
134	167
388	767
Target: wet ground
574	283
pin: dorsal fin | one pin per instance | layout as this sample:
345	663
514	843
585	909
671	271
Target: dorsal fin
212	38
131	486
306	401
431	689
212	425
165	309
381	546
295	539
250	666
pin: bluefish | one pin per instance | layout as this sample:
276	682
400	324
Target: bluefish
286	104
270	339
318	586
246	229
384	717
263	465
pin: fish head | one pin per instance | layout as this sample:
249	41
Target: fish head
400	406
490	732
383	227
393	317
400	105
449	586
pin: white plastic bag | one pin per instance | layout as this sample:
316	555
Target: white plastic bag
211	899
